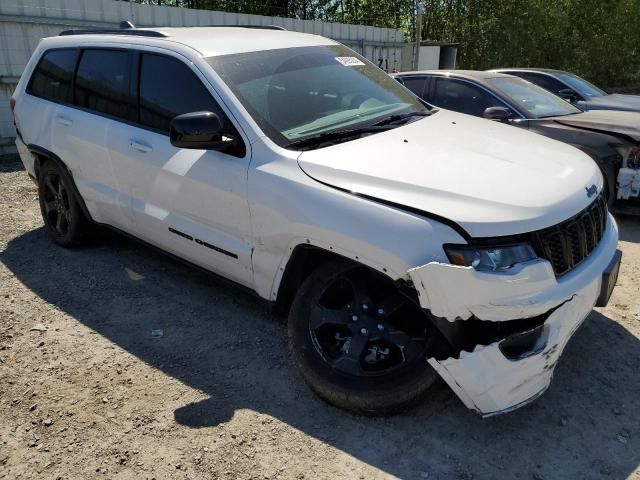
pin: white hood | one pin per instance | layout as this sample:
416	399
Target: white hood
489	178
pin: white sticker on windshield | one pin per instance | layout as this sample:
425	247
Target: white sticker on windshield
349	61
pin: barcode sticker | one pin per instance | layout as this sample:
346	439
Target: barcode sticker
349	61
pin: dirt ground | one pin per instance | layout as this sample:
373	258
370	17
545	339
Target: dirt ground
89	390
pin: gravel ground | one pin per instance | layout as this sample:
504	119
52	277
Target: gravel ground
90	389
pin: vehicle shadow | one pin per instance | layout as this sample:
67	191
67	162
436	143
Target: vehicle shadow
629	227
10	163
226	343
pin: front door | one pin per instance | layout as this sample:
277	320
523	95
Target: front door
191	203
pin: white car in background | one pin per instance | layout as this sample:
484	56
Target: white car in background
405	243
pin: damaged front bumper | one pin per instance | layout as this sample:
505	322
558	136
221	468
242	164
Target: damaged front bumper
537	313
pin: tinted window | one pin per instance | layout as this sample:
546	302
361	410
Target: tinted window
415	84
463	97
581	85
544	81
535	101
52	78
102	82
169	88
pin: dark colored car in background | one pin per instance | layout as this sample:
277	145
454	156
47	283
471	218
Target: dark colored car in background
611	138
576	90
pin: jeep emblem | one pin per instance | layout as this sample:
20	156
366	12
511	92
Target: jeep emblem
591	191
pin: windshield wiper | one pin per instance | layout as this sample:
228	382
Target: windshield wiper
333	137
401	117
344	135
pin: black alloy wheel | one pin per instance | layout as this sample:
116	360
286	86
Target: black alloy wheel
359	342
60	210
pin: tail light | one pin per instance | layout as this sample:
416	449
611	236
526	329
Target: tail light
12	104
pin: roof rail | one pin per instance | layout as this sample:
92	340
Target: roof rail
114	31
257	27
128	28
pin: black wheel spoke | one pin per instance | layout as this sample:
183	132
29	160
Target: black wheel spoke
397	337
360	293
59	223
410	346
414	348
50	206
390	305
49	184
351	361
321	315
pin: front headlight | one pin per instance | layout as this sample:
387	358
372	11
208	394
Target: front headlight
630	156
490	259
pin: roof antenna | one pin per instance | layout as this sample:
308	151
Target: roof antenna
127	24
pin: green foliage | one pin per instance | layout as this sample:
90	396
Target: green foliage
596	39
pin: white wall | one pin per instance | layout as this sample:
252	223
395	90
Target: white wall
24	22
429	58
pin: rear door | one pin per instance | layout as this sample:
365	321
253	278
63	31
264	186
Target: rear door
192	203
79	130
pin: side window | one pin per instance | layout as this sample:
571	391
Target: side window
415	84
52	78
544	81
102	82
169	88
463	97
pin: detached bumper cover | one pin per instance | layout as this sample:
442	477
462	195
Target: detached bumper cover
486	379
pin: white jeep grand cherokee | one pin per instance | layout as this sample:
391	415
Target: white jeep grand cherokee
405	242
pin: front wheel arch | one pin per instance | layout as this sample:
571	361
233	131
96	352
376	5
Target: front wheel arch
302	261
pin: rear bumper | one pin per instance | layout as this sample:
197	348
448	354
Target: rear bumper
485	378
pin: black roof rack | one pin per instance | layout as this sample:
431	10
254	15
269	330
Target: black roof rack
257	27
128	28
115	31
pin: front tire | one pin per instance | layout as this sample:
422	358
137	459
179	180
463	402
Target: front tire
61	212
358	342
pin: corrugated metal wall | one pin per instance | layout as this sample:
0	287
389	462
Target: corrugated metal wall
24	22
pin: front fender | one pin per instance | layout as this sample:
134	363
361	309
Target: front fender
289	209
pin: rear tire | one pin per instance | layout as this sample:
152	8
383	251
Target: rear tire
380	372
63	218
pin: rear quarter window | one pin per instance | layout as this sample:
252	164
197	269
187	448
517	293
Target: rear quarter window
53	77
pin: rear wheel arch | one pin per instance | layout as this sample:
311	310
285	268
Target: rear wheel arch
43	156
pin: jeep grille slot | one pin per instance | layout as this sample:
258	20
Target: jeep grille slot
567	244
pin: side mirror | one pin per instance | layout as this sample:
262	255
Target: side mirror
568	95
500	114
199	130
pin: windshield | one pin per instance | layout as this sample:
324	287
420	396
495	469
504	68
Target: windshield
294	94
581	85
536	102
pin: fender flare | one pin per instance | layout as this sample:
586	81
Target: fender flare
38	152
331	249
